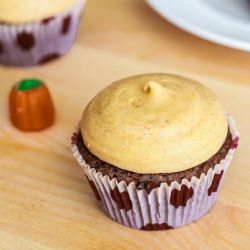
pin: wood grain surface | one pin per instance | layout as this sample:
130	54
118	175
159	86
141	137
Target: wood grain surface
45	200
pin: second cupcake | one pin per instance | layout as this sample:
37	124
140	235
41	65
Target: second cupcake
36	32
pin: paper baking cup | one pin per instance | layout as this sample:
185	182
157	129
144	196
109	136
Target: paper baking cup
165	207
32	43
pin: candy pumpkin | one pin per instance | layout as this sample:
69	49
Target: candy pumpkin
30	106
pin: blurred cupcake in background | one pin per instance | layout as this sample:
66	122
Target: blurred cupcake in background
36	32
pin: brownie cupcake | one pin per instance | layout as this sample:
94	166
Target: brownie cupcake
155	149
35	32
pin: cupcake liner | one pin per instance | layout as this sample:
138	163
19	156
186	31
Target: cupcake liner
32	43
165	207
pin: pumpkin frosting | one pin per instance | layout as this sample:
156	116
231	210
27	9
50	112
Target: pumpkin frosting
31	10
154	123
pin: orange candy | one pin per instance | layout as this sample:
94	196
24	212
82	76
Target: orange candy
30	106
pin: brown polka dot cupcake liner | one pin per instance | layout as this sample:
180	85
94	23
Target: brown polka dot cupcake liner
34	43
165	207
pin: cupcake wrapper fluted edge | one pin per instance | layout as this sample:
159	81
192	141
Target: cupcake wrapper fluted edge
165	207
33	43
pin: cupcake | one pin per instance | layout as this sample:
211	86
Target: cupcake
155	149
35	32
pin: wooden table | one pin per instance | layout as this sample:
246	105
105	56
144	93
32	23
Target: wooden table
45	201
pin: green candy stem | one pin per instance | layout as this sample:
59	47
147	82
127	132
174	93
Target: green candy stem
28	84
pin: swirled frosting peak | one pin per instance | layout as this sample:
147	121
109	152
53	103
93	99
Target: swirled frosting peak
154	123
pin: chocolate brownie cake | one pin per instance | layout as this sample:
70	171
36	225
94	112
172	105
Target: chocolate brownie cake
150	181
